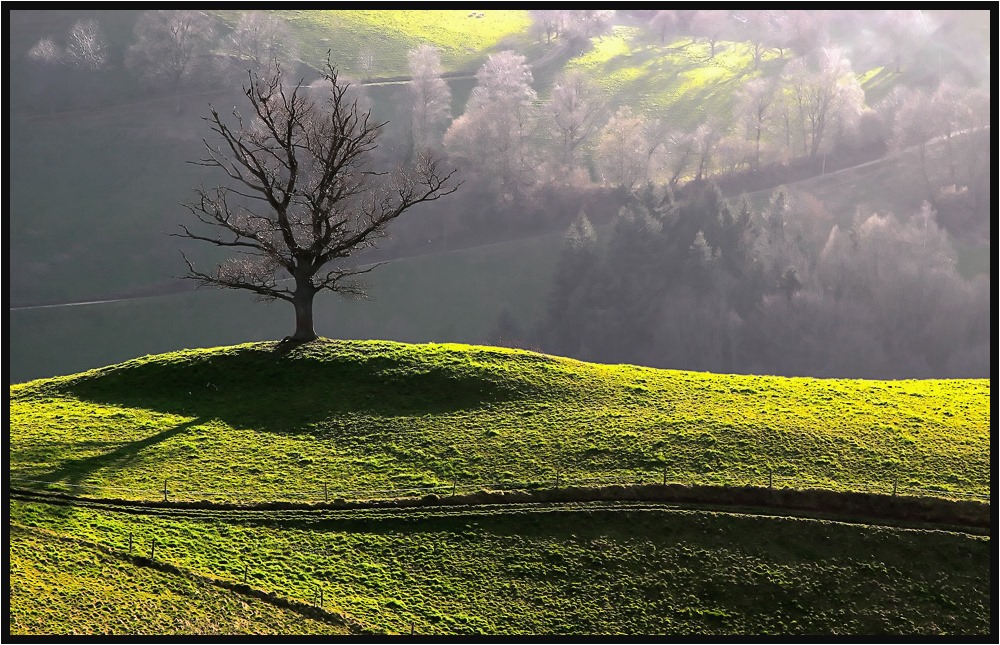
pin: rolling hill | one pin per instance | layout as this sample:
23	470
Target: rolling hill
230	431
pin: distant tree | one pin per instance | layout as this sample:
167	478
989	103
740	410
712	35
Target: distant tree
759	28
87	46
706	137
914	125
548	23
579	26
903	31
623	151
303	195
712	25
825	96
494	132
680	150
172	47
430	95
46	51
366	63
576	110
754	103
663	23
260	40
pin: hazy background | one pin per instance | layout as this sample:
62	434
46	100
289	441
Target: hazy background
796	193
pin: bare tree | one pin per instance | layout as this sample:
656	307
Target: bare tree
46	51
826	97
576	110
712	25
903	31
754	107
758	26
494	131
915	124
430	94
548	22
366	63
621	156
261	39
663	23
171	46
303	195
87	47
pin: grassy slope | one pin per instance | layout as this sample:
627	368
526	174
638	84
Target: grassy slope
462	38
570	570
61	587
248	422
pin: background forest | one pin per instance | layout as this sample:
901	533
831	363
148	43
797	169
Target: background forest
772	192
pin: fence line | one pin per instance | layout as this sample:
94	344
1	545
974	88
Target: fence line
557	480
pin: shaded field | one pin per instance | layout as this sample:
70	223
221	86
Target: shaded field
633	569
263	423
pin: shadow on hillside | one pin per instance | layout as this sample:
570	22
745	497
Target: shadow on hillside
75	471
273	389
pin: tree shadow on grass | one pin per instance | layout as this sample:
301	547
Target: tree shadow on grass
280	388
75	471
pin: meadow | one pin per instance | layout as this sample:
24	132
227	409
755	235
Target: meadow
258	422
566	570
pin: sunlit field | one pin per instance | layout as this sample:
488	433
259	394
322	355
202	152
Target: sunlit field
257	424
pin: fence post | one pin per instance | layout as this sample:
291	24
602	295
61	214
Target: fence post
664	475
246	570
411	628
557	478
321	596
454	484
164	490
326	493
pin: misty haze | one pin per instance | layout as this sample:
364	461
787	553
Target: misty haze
657	277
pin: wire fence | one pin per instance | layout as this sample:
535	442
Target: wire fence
178	491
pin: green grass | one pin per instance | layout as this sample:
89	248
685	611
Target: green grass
676	81
62	586
251	423
572	570
464	40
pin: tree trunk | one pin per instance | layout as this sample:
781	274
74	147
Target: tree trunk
303	303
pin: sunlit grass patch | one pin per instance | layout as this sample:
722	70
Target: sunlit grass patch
250	423
463	36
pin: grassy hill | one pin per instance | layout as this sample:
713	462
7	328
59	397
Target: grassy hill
255	422
258	422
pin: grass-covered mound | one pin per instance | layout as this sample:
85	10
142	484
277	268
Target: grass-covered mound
259	422
65	586
586	569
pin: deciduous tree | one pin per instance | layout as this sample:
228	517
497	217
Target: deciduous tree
172	47
302	198
431	96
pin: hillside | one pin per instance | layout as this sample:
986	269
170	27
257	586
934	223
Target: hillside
335	420
570	570
257	422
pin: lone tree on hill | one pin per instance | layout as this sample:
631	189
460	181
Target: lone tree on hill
305	197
